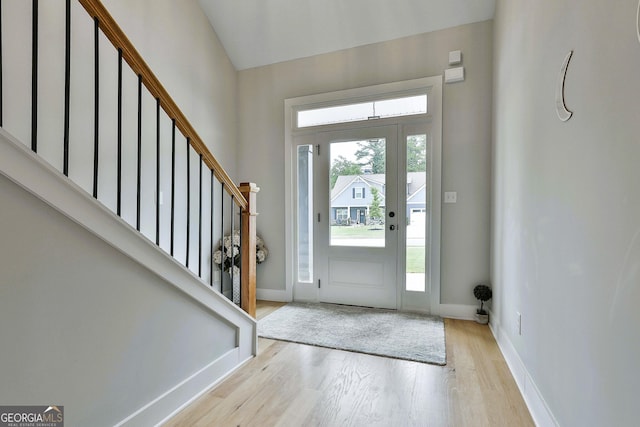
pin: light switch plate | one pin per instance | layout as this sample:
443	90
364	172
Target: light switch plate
450	197
453	75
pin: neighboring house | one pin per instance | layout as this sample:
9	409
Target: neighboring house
351	196
416	194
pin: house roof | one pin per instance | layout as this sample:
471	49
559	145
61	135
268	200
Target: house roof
411	196
415	182
344	181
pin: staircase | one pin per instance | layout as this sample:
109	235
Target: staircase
111	208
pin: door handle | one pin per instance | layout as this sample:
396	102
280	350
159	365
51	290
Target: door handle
392	227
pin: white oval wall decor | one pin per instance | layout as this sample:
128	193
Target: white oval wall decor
563	113
638	21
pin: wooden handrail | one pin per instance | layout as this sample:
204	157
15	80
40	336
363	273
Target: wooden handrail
114	33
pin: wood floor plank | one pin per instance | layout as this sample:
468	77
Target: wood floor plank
298	411
290	384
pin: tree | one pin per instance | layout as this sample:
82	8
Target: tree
372	153
375	211
343	167
417	153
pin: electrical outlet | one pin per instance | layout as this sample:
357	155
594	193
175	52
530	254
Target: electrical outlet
518	323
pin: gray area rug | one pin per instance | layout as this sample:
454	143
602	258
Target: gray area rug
388	333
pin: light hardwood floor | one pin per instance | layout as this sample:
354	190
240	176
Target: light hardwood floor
291	384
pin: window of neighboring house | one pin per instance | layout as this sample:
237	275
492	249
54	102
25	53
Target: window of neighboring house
341	214
358	193
371	110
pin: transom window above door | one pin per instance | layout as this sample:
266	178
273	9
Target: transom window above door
359	111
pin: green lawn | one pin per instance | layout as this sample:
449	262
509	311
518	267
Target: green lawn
415	259
357	232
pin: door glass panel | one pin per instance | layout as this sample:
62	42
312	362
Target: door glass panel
305	214
417	211
357	192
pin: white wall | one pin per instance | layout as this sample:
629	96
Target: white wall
177	41
566	245
466	139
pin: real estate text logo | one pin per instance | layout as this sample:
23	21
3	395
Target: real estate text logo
32	416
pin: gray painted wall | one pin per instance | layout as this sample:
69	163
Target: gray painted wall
566	245
466	139
177	41
84	326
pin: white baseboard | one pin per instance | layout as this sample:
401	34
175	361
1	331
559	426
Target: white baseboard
457	311
540	412
453	311
174	400
272	295
306	292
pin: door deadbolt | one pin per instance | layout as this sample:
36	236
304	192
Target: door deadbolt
392	214
392	227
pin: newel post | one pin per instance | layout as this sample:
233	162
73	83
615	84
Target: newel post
248	248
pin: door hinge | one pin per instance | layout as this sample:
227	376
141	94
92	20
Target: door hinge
318	217
318	149
318	283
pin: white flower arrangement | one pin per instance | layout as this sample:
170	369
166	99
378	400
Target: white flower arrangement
228	253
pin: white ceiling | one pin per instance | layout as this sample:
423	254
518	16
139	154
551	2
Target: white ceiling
261	32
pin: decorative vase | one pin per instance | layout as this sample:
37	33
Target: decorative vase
483	319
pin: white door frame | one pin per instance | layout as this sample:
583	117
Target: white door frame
430	85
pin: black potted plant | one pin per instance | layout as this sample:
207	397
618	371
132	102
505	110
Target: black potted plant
482	293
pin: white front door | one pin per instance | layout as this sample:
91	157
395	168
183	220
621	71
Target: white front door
356	203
